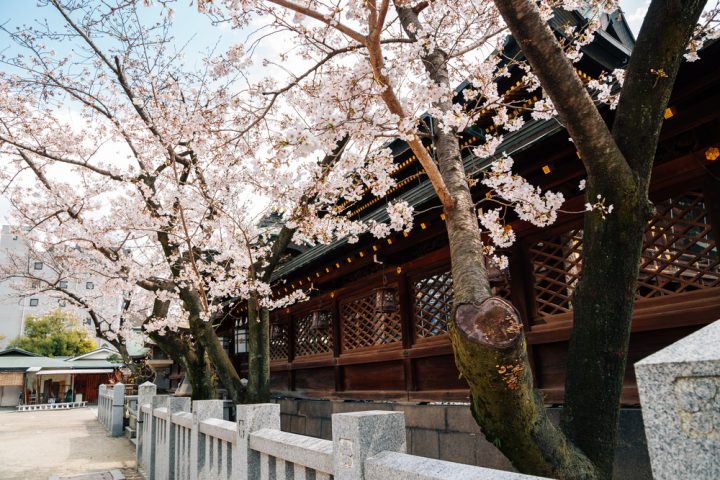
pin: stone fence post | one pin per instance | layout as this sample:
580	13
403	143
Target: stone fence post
359	435
158	401
117	410
251	418
102	405
165	458
145	393
679	390
201	410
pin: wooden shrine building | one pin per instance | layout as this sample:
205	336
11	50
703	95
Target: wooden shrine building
339	344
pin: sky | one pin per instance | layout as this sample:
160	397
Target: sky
196	30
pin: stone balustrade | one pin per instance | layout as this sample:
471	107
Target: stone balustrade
179	439
111	405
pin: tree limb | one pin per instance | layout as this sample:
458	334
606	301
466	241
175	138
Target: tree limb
588	130
654	64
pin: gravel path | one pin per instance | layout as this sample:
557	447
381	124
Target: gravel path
35	445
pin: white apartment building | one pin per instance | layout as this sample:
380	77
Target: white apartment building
16	307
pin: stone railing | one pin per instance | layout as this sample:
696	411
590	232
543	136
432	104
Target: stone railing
51	406
130	414
180	439
111	402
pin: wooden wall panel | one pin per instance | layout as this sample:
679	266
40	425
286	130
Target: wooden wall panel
438	373
315	379
550	362
280	381
375	376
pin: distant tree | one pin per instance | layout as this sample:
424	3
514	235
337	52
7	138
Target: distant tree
56	333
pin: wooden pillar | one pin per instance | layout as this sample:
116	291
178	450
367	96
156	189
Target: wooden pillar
407	323
336	333
522	293
291	351
711	193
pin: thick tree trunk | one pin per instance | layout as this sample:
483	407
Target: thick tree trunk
602	311
223	367
193	362
604	300
486	332
490	349
205	335
618	165
258	388
491	353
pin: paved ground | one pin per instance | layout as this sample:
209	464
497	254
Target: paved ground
35	445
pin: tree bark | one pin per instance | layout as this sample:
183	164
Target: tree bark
205	336
258	388
192	360
618	167
604	300
491	353
486	332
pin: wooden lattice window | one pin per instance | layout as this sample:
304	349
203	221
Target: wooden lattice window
279	341
680	254
557	262
502	290
363	326
311	340
433	304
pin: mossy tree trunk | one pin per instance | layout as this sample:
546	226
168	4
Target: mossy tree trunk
486	332
193	361
205	337
258	388
604	300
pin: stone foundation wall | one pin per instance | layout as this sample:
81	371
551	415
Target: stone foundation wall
449	432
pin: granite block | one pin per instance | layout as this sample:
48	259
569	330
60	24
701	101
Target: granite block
313	427
398	466
251	418
460	419
297	425
424	416
341	406
285	422
679	390
424	442
357	436
458	447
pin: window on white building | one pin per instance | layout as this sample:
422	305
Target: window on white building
89	285
34	302
63	284
38	265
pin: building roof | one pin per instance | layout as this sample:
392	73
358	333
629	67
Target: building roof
21	361
97	354
16	352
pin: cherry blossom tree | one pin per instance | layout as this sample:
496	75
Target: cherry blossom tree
128	164
378	66
174	215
